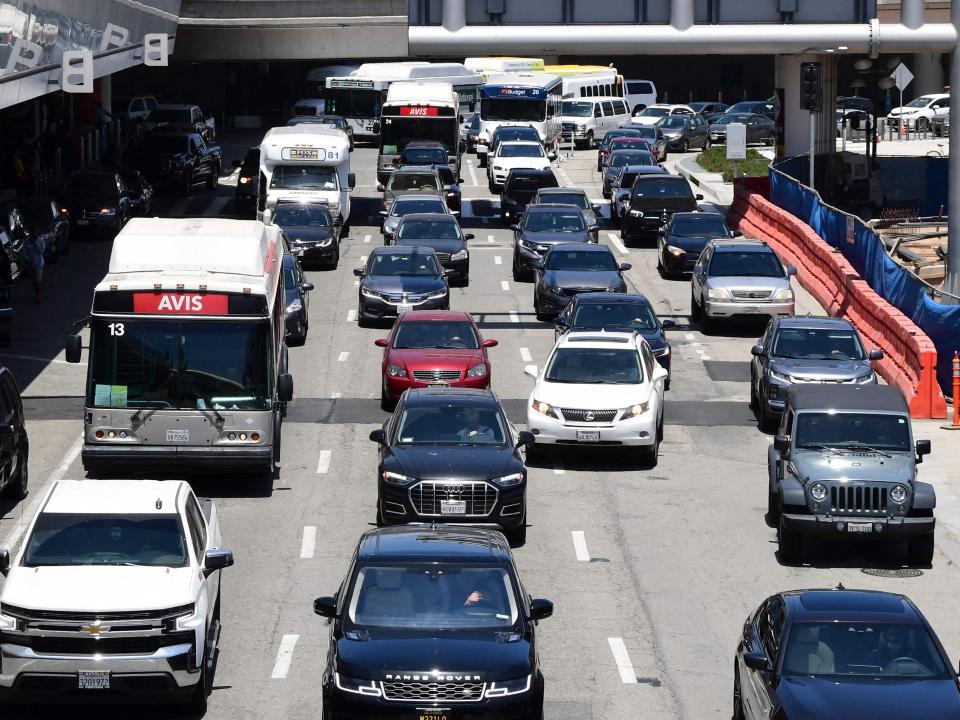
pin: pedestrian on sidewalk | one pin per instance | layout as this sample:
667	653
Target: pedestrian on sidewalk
33	250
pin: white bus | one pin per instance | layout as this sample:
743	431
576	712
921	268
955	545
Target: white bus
317	77
306	163
520	98
418	111
503	64
359	96
187	365
581	81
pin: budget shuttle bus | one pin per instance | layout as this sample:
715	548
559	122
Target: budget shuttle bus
187	362
303	163
418	111
359	96
517	99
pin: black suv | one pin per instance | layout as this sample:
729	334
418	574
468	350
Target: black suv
520	187
451	455
14	448
432	624
180	161
245	197
653	200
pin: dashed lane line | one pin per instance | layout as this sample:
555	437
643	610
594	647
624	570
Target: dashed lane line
490	238
366	238
323	462
558	468
309	542
525	355
580	545
504	285
620	655
497	260
284	657
472	172
351	316
514	317
342	357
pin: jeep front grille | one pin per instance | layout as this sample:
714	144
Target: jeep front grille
849	499
432	691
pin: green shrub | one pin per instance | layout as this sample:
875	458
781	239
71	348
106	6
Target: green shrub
715	160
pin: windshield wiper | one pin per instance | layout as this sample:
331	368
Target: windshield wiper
208	401
857	445
821	448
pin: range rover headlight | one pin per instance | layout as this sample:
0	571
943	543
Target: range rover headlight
356	685
544	409
898	493
502	688
7	622
818	491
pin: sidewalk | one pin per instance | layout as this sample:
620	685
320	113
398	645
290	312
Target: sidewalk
710	185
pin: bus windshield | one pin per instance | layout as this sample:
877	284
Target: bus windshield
181	364
513	109
396	133
357	103
304	177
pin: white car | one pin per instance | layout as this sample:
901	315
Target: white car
512	155
115	589
922	112
652	114
599	388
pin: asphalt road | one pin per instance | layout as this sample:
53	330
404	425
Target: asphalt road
652	571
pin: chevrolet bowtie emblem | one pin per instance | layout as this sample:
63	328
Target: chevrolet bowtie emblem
96	629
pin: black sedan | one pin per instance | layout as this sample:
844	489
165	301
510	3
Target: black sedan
572	196
296	301
96	201
618	312
843	654
397	279
575	268
653	200
432	623
313	234
620	158
245	196
440	231
540	228
760	128
45	218
622	184
451	454
683	238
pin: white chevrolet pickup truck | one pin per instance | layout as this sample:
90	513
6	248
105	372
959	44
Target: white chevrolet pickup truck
116	590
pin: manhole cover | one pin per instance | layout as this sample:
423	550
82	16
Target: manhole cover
893	573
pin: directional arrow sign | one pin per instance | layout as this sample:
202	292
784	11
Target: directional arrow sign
902	77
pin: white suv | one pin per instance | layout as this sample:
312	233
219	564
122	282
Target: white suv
599	388
652	114
512	155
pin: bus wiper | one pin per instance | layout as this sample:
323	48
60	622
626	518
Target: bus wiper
208	401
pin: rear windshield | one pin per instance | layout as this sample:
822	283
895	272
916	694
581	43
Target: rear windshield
554	221
414	181
745	263
661	189
631	157
510	150
432	229
705	225
531	183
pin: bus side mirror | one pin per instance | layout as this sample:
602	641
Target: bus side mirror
351	180
4	561
376	128
285	387
74	348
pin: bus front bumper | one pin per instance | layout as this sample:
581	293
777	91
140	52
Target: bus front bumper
103	457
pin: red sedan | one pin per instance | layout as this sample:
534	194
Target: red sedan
433	347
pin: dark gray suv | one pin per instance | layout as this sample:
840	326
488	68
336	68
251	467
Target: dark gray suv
805	349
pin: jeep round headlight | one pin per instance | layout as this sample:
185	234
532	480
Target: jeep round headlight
898	493
818	491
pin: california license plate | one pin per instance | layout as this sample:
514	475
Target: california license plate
433	714
856	527
453	507
588	436
178	436
93	680
751	310
401	309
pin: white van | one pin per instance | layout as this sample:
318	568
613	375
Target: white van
588	119
639	92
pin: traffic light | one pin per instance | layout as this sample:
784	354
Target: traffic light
811	86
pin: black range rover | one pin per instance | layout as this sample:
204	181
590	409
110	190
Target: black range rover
432	624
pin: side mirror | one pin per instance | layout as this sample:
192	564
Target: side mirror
447	272
923	448
325	607
4	561
698	196
378	436
266	217
660	373
791	271
757	661
351	180
540	609
376	128
285	387
383	213
552	155
515	227
307	286
876	354
468	236
781	443
667	324
525	437
537	264
625	266
216	560
531	370
380	342
757	350
379	187
73	348
358	272
490	342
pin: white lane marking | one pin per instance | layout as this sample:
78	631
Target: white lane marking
351	316
558	468
497	260
356	283
514	318
525	354
489	238
689	336
363	261
564	177
366	238
504	285
473	174
336	395
704	357
323	462
343	356
618	244
26	515
309	542
284	657
580	545
37	358
622	658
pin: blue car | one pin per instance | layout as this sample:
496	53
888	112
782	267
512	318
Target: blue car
618	312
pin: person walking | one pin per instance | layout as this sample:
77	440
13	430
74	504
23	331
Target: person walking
33	250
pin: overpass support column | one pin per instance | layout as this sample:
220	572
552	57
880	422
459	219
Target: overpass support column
454	14
952	281
681	14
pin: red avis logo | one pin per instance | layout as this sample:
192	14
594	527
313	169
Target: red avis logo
417	111
179	304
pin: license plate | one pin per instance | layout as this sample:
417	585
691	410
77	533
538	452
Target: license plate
860	527
83	222
93	680
433	715
401	309
453	507
588	436
179	436
751	310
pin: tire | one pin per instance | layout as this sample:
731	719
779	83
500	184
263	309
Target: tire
754	403
768	420
197	704
695	311
768	141
651	453
481	161
773	509
216	604
517	536
16	489
336	256
345	230
188	185
684	145
920	550
707	143
214	180
517	275
385	402
789	541
737	696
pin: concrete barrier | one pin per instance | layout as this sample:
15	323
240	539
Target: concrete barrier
910	358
